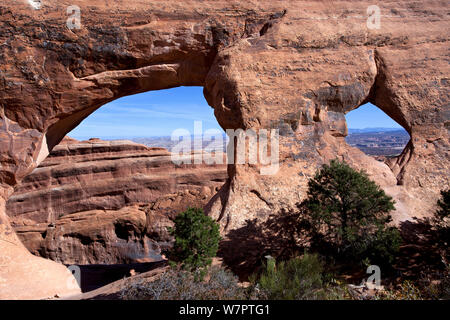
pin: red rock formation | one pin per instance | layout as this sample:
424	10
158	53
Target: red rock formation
105	202
294	65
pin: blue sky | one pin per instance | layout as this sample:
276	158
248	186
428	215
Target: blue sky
369	116
158	113
149	114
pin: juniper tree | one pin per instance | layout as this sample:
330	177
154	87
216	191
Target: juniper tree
351	214
197	239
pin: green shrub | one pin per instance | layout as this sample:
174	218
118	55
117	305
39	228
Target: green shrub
183	285
436	286
430	286
196	239
407	290
350	214
295	279
440	290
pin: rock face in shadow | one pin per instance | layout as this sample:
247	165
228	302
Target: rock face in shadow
296	66
107	202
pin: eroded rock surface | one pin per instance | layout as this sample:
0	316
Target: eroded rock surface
107	202
298	66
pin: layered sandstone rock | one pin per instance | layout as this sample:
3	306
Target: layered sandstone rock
297	66
106	202
99	237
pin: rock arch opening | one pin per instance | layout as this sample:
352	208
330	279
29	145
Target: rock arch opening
375	133
109	190
150	114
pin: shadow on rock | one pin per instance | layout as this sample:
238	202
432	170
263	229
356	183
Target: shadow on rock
422	250
245	249
286	234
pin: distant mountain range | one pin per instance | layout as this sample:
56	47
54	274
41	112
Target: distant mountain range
373	141
168	138
379	129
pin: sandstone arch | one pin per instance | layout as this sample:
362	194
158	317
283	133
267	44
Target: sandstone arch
291	65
